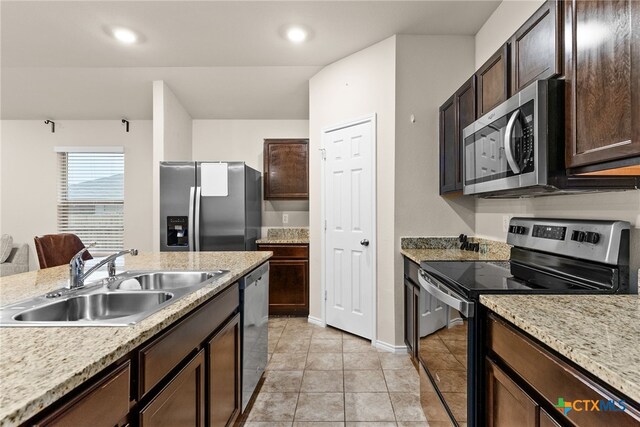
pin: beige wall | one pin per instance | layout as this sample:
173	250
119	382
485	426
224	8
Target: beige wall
172	127
243	140
490	213
353	87
502	23
422	85
29	175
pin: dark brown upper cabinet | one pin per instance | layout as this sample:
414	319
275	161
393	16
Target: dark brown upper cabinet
286	169
456	113
602	69
449	148
493	81
536	48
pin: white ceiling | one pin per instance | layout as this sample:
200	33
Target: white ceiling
222	59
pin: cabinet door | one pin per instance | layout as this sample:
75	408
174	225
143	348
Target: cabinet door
223	356
602	99
507	404
536	47
286	169
546	420
449	149
289	287
493	81
465	100
181	401
104	404
409	318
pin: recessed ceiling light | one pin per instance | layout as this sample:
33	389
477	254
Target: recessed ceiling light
124	35
297	34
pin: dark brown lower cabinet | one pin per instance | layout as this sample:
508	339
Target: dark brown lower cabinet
508	404
181	401
223	356
546	420
187	375
106	403
411	309
525	382
288	279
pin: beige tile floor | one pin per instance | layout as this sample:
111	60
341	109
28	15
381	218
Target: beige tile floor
323	377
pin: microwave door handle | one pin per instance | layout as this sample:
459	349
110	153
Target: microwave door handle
508	149
190	220
466	308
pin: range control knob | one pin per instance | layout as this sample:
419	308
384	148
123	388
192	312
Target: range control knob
592	238
581	236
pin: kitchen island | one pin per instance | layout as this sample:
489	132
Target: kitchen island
568	348
39	366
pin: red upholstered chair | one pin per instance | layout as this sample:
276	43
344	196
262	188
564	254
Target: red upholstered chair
58	249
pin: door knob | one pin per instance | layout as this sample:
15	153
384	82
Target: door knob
364	242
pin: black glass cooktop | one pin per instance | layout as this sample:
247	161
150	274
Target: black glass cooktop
471	278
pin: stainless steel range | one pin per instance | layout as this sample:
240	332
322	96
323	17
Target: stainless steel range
549	256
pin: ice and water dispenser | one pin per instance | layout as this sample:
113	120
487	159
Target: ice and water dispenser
177	231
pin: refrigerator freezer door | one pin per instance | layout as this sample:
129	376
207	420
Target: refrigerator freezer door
222	218
176	180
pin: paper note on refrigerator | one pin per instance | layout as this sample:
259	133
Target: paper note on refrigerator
214	179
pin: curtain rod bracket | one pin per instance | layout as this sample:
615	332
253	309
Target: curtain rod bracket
53	125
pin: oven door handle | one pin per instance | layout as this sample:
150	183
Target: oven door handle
432	286
508	149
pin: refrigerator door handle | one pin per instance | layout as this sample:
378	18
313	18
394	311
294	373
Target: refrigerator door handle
190	220
197	215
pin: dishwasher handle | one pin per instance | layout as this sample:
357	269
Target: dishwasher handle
255	276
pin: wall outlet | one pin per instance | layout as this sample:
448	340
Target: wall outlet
285	218
505	222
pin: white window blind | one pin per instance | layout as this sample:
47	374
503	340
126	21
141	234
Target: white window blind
91	197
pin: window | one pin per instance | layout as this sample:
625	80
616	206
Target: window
91	196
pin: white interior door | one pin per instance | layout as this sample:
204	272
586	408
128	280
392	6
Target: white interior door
349	229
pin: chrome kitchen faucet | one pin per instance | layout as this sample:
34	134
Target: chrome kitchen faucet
76	266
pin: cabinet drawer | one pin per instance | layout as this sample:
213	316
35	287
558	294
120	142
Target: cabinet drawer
554	378
286	251
164	353
104	404
181	402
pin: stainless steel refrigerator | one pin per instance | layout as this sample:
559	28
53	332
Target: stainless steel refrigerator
209	206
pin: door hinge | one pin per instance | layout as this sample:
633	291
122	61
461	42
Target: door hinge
323	153
325	295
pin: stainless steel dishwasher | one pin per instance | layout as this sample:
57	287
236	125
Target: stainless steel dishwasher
254	321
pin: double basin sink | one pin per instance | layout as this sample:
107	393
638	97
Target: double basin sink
121	300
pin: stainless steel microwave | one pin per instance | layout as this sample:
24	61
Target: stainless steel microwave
517	149
515	145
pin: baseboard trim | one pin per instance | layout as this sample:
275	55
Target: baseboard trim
316	321
391	348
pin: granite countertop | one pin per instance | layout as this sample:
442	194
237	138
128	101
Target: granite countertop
286	236
418	255
599	333
40	365
292	241
420	249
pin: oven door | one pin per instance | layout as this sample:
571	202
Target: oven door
444	353
501	149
